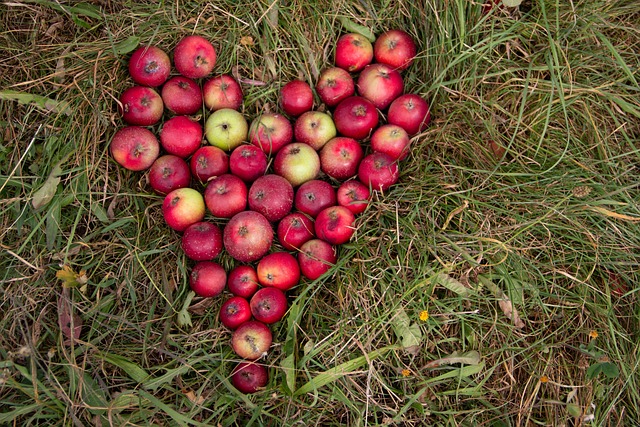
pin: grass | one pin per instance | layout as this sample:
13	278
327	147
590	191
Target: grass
515	226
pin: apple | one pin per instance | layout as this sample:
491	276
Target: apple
181	136
353	52
270	132
234	312
294	230
194	57
202	241
207	279
340	157
314	128
134	148
272	196
242	281
247	236
334	85
410	112
222	91
141	106
355	117
378	171
268	305
169	172
354	195
313	196
251	340
182	96
392	140
316	257
248	162
225	196
296	98
226	129
380	84
335	225
279	270
209	162
395	48
149	66
183	207
297	162
249	377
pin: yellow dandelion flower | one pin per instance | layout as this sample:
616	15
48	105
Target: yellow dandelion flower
593	334
544	379
406	373
424	315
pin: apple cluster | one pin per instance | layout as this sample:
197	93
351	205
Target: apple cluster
279	194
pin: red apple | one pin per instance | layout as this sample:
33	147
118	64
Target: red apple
314	128
225	196
354	195
316	257
279	270
249	377
270	132
248	236
183	207
251	340
268	305
222	92
355	117
392	140
353	52
194	57
296	98
209	162
207	279
234	312
169	172
335	225
410	112
380	84
181	136
294	230
395	48
141	106
297	162
340	157
242	281
134	148
248	162
149	66
272	196
182	96
334	85
202	241
378	171
313	196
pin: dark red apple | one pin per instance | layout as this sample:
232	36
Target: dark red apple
270	132
134	148
181	136
222	91
296	98
251	340
207	279
380	84
355	117
410	112
314	128
242	281
234	312
335	225
248	162
313	196
294	230
378	171
353	52
182	96
395	48
268	305
279	270
297	162
334	85
248	236
392	140
340	157
272	196
316	257
202	241
183	207
194	57
209	162
149	66
226	195
354	195
169	172
249	377
141	106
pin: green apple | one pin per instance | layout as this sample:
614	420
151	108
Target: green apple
226	129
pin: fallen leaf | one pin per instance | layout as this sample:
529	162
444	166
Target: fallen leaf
201	307
468	358
409	333
70	278
190	394
247	41
509	310
70	323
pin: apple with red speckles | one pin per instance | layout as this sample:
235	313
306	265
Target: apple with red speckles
202	241
316	257
234	312
168	173
149	66
380	84
194	57
272	196
294	230
410	112
313	196
209	162
356	117
134	148
314	128
141	106
182	96
268	305
335	225
392	140
334	85
378	171
395	48
297	162
207	279
270	132
251	340
247	236
181	136
354	195
353	52
340	157
249	377
248	162
296	98
222	91
226	196
183	207
242	281
279	270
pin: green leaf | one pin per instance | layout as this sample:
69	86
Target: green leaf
184	318
39	101
511	3
288	365
609	370
132	369
127	45
452	284
409	333
468	358
352	27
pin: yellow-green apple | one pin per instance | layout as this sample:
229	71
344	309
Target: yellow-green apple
410	112
226	195
392	140
380	84
378	171
202	241
242	281
355	117
294	230
168	173
194	57
251	340
183	207
182	96
297	162
334	85
208	162
354	195
226	129
296	98
335	225
207	279
272	196
181	136
249	377
270	132
340	157
247	236
316	257
268	305
234	312
395	48
141	106
248	162
279	270
314	128
313	196
222	91
149	66
134	148
353	52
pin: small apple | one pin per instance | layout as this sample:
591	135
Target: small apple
316	257
335	225
134	148
194	57
182	96
392	140
169	172
340	157
380	84
313	196
183	207
181	136
279	270
353	52
207	279
410	112
334	85
234	312
225	196
242	281
249	377
297	162
270	132
141	106
202	241
395	48
314	128
248	162
354	195
294	230
248	236
296	98
149	66
222	91
272	196
208	162
251	340
378	171
268	305
226	129
356	117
